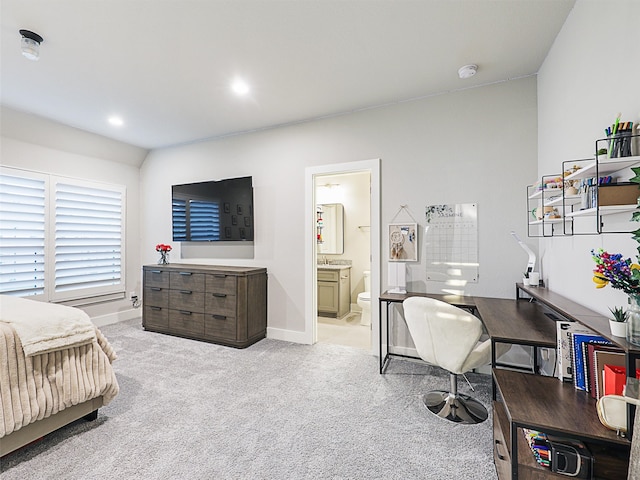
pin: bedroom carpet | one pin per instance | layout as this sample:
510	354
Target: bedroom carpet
275	410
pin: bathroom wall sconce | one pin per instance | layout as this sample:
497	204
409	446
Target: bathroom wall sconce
30	44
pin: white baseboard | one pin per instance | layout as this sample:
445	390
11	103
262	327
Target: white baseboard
288	335
116	317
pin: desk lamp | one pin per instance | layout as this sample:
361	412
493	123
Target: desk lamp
532	256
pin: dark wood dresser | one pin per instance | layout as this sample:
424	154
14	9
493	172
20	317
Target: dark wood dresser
219	304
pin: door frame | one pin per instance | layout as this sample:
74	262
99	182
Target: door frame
311	244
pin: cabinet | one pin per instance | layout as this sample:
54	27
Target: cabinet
579	198
226	305
530	400
334	290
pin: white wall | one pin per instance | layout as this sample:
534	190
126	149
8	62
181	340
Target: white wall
476	145
591	73
37	144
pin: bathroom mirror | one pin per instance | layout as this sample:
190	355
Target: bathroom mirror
331	228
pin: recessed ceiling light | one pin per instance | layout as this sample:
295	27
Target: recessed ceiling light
116	121
467	71
240	87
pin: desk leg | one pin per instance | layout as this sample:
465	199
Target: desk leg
631	408
384	358
380	333
493	365
514	451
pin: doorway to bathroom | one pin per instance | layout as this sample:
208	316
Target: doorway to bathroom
343	260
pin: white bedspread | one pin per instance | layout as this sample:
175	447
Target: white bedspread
46	327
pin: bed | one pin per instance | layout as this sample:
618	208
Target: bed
55	367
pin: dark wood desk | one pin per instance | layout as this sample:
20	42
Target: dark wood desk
542	403
388	298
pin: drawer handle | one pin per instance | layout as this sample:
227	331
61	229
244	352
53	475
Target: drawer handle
218	275
156	271
219	317
220	295
186	292
344	278
185	273
156	289
156	308
501	457
184	312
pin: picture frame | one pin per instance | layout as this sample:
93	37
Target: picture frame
403	242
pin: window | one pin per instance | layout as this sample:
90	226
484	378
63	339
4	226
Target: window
22	233
76	253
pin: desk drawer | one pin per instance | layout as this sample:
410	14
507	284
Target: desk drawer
187	281
501	455
187	300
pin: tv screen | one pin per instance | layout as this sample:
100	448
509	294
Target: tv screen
213	211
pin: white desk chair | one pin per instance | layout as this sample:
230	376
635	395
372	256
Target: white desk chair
447	336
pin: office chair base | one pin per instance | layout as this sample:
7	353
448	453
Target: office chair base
458	408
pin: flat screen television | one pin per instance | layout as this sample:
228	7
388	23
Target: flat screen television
213	211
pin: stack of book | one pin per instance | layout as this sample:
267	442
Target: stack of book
582	356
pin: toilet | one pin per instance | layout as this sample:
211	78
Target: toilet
364	300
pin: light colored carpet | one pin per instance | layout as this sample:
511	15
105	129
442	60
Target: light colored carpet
275	410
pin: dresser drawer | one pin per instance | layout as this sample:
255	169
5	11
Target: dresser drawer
187	281
220	326
220	283
155	317
188	323
220	304
156	278
156	296
187	300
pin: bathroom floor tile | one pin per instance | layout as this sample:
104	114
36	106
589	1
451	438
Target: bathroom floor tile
346	331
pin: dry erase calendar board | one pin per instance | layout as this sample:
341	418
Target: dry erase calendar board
451	243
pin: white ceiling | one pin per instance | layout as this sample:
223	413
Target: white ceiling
165	66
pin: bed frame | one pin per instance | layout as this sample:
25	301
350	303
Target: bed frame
39	429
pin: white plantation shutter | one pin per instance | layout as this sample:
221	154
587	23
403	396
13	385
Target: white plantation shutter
60	238
22	233
89	240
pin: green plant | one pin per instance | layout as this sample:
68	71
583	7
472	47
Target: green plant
619	314
603	151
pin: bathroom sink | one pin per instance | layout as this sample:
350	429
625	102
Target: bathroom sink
328	266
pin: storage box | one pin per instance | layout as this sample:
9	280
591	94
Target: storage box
618	194
615	378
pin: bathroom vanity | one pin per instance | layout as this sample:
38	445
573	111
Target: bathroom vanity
334	290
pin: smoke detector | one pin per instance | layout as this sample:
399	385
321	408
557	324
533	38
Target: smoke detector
467	71
30	44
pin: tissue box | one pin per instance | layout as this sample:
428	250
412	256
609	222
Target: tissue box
618	194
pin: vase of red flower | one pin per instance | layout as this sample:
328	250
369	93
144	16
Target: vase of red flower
164	253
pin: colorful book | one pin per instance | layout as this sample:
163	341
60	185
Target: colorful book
564	349
592	371
579	377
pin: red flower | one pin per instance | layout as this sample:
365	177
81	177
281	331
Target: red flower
161	247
